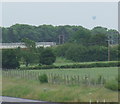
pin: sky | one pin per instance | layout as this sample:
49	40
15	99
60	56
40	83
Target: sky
86	14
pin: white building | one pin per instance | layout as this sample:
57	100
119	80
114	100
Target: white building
22	45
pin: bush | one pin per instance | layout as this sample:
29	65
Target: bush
112	85
47	57
43	78
9	59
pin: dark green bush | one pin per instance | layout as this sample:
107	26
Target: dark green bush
112	85
47	57
9	59
43	78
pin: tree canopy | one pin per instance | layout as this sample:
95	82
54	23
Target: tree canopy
49	33
47	57
9	59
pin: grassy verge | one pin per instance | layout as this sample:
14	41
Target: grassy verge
58	93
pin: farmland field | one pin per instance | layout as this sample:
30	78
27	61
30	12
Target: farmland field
25	84
109	73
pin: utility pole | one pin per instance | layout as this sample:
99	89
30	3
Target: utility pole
61	39
108	50
109	43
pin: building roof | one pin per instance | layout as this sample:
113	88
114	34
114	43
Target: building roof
22	45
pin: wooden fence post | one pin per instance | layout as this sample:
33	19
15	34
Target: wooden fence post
52	78
64	79
78	78
67	80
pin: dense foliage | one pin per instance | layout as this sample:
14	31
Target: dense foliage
29	53
81	44
80	53
43	78
47	57
77	34
112	85
9	59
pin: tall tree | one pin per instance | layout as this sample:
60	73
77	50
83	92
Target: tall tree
82	36
29	54
99	39
9	59
47	57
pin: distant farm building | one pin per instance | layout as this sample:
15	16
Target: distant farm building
22	45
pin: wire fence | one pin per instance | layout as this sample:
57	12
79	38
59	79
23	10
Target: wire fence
54	78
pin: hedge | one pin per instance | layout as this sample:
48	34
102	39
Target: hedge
88	65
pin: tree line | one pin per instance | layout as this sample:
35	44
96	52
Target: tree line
40	56
48	33
81	53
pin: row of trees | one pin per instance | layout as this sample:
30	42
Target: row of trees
81	53
75	34
47	56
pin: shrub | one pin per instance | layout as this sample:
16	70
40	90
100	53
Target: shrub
112	85
9	59
43	78
47	57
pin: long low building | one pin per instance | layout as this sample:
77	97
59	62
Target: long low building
22	45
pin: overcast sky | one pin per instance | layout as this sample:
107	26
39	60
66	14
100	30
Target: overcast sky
85	14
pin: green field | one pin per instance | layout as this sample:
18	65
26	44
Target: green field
62	61
108	73
24	85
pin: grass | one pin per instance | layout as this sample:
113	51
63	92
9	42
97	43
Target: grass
32	89
107	72
56	93
62	61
